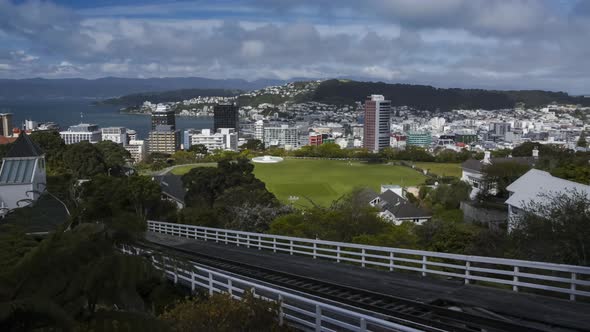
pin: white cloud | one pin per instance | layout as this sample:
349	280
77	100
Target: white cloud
252	48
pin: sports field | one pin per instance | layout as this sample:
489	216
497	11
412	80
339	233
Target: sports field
442	169
326	180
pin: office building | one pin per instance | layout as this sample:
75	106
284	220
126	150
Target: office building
81	132
377	123
226	116
163	115
315	139
500	128
283	136
137	149
115	134
259	130
131	135
164	139
419	138
6	124
223	139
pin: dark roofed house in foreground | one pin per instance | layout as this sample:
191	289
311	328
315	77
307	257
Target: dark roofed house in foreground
394	207
22	176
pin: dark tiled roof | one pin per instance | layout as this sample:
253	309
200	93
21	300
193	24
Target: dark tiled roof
172	186
476	165
401	208
24	147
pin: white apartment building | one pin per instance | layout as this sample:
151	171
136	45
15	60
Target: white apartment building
259	130
81	132
283	136
115	134
223	139
137	149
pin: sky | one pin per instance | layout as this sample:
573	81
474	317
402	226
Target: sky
496	44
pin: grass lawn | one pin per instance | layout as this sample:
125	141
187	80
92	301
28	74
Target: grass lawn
326	180
442	169
181	170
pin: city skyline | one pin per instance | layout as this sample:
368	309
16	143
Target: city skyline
511	44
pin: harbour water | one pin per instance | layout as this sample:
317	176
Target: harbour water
67	112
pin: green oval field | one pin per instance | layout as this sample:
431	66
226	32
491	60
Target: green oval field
326	180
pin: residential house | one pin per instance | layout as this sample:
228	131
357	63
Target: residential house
473	170
537	186
394	208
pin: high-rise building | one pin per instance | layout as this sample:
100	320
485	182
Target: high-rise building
226	116
419	138
137	149
81	132
6	124
223	139
163	115
283	136
259	130
377	123
115	134
164	140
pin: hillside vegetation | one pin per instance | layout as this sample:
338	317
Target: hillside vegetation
137	99
431	98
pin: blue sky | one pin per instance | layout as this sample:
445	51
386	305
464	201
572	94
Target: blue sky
500	44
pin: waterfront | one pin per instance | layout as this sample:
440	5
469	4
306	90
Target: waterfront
67	112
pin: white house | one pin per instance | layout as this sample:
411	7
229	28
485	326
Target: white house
534	186
22	176
472	170
394	207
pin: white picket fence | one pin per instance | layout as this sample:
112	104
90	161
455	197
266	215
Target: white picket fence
304	313
552	279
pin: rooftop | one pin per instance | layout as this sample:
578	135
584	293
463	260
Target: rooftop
24	146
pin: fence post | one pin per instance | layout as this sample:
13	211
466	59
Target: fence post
248	240
363	326
391	261
318	318
210	283
193	281
338	254
226	238
291	247
274	244
515	279
314	250
216	236
281	313
238	239
363	257
573	286
424	261
259	242
467	272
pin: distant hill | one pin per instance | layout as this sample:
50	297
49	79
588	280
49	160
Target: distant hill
114	87
431	98
169	96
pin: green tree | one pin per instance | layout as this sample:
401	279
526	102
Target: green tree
114	155
254	145
84	160
555	228
498	176
219	312
53	146
582	140
199	149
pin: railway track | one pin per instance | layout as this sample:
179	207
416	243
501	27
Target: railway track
419	315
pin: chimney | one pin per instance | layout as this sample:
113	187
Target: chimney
535	153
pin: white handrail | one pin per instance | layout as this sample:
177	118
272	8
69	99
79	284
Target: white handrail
552	278
322	314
